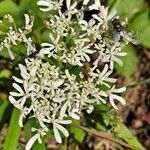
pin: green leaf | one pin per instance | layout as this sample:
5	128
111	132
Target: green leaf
125	134
5	73
141	24
3	107
78	133
127	8
100	118
129	62
8	6
38	146
101	108
12	137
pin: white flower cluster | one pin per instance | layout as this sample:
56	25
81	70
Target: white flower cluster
15	36
54	95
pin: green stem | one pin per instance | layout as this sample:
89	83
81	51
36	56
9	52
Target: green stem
145	81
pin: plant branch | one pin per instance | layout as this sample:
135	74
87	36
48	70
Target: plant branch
145	81
104	135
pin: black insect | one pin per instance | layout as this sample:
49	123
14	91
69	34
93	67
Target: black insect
118	30
117	25
33	54
119	33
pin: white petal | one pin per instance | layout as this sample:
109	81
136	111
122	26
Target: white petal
119	98
25	85
112	103
85	2
17	79
12	99
97	2
117	60
27	19
24	73
68	3
31	141
63	109
11	54
33	70
122	54
83	22
94	6
112	80
97	18
21	120
73	7
1	48
104	70
65	121
16	94
45	45
45	9
111	64
62	129
43	3
74	116
57	135
18	88
112	14
120	90
57	83
52	37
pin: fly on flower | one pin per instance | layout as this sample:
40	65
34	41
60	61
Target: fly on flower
120	34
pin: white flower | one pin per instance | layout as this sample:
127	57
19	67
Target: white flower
103	77
114	52
21	93
128	37
112	96
9	18
57	127
47	5
40	133
104	16
90	28
10	52
96	5
78	54
28	22
71	9
85	52
24	110
52	48
61	25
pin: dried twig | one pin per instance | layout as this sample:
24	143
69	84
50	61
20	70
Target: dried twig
105	135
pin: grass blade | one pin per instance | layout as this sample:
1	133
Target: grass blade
12	137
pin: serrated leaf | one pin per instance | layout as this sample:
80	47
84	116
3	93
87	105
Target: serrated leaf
141	24
125	134
127	8
129	62
12	137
